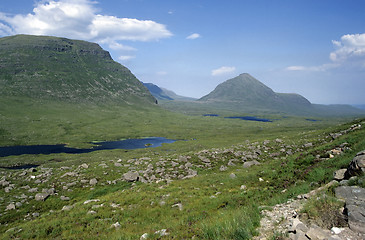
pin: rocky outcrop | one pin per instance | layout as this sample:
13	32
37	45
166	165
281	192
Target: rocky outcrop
357	165
354	198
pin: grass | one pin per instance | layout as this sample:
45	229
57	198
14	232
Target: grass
214	205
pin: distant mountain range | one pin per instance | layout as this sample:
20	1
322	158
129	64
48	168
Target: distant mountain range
61	69
246	94
165	94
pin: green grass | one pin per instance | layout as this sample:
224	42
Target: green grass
214	206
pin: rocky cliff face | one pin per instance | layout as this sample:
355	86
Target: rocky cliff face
42	67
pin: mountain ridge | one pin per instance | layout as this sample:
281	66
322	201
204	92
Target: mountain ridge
43	67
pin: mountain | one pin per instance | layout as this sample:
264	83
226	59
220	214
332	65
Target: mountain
165	94
249	92
244	93
157	92
41	67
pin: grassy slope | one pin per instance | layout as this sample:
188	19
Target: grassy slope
231	214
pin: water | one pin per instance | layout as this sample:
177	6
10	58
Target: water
61	148
312	120
210	115
250	118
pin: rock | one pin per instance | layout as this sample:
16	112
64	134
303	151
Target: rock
243	187
316	233
117	164
131	176
91	212
232	176
178	205
307	145
36	214
356	166
261	179
32	190
84	165
93	181
162	232
41	196
222	168
67	208
116	225
250	163
92	200
63	198
336	230
11	206
355	206
339	174
144	236
18	204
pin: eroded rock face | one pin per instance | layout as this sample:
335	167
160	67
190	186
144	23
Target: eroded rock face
355	206
357	165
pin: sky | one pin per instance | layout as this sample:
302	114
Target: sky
313	48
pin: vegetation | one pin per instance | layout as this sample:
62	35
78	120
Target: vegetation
196	187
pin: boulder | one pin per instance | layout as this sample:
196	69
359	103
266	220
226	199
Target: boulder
222	168
355	206
356	166
339	174
250	163
131	176
93	181
11	206
41	196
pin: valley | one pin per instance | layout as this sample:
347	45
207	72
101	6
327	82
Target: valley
213	182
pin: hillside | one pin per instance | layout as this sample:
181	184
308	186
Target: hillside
53	68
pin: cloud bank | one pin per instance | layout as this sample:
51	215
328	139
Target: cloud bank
223	70
79	19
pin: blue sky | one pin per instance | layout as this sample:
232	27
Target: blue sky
314	48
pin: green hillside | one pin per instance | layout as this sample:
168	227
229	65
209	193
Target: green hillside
68	70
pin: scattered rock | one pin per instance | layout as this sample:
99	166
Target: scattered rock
223	168
144	236
131	176
250	163
93	181
92	200
84	165
67	208
356	166
63	198
178	205
11	206
339	174
162	232
41	196
116	225
232	176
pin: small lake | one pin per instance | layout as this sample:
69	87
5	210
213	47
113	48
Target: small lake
108	145
251	118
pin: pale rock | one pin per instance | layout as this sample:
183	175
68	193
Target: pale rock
41	196
232	176
11	206
84	165
144	236
67	208
92	200
93	181
339	174
116	225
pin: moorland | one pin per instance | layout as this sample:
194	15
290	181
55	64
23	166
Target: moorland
209	184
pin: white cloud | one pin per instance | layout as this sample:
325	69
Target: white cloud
349	52
125	58
296	68
193	36
350	47
79	19
223	70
